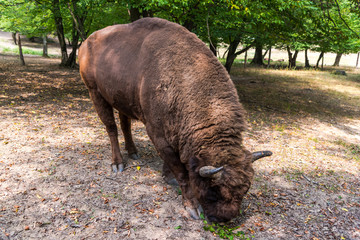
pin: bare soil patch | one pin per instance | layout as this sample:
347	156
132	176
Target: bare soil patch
55	180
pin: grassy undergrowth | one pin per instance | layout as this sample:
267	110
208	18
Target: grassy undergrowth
28	51
352	150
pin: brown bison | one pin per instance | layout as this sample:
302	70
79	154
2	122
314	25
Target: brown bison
161	74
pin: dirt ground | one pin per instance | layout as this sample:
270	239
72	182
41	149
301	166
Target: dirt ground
55	180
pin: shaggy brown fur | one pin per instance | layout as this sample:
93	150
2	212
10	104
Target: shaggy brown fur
160	73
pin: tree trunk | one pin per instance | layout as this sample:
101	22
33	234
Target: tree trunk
322	62
320	57
268	65
45	46
189	24
18	39
357	60
245	60
307	64
289	55
190	17
229	62
146	13
139	12
337	59
292	58
71	62
60	31
258	58
14	38
134	14
231	54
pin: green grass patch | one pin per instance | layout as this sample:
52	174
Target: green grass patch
25	50
353	150
280	128
223	231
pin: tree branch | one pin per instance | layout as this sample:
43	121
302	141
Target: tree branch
342	19
208	30
309	180
329	16
245	49
77	26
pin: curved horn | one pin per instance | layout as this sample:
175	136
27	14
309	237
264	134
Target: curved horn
209	171
261	154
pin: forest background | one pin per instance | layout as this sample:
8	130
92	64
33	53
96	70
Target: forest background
323	26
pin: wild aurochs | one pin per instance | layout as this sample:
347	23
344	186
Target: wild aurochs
159	73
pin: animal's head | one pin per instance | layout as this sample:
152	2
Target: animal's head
220	189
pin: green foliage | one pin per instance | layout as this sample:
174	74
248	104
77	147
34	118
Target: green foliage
327	26
224	231
26	17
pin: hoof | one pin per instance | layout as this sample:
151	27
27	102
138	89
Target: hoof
134	156
117	168
200	210
193	213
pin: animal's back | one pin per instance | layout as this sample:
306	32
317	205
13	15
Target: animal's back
120	60
155	70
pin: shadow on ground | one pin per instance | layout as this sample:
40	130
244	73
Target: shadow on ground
55	164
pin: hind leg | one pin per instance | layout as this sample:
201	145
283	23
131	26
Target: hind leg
125	123
106	114
178	170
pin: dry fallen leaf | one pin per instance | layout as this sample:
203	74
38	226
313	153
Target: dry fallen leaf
74	211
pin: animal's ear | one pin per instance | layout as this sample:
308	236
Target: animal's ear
194	163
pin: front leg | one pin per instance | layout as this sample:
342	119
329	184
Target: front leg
177	168
168	176
172	162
